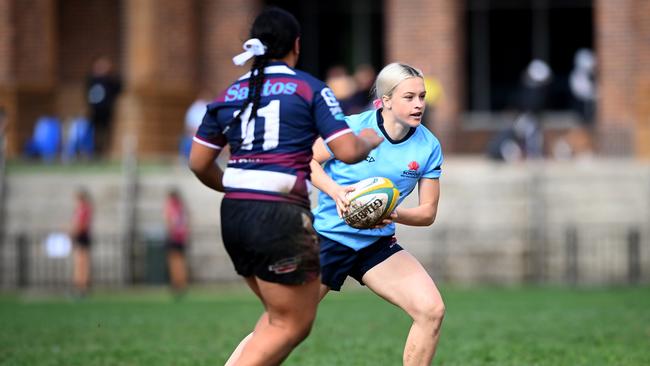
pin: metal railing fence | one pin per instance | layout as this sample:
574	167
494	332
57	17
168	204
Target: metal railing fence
608	254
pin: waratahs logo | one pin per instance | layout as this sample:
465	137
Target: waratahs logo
412	171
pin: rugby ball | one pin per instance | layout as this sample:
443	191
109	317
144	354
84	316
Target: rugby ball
372	200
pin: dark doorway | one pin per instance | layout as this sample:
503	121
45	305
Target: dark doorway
86	30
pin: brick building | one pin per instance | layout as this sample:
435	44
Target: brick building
167	50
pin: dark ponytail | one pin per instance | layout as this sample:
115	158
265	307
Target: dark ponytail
277	29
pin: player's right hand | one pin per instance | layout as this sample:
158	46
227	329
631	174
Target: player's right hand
341	199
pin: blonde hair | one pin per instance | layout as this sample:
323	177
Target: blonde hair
391	75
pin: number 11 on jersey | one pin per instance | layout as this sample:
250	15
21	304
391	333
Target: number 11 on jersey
271	115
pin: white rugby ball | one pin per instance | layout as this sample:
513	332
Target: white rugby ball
372	200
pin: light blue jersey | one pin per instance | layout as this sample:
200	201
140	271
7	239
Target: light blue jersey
417	155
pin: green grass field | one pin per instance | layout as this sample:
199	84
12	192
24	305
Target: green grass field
484	326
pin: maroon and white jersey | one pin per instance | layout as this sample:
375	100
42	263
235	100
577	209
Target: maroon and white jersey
274	148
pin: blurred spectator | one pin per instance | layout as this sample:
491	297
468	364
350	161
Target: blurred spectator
577	142
434	95
361	99
46	140
177	235
3	122
534	87
80	233
510	145
3	127
583	85
193	118
341	83
524	139
336	71
102	89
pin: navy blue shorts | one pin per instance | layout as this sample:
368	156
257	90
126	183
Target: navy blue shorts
274	241
339	261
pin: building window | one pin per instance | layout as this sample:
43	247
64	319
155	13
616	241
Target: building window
337	32
504	36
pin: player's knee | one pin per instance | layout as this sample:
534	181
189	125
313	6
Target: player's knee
438	313
300	330
430	311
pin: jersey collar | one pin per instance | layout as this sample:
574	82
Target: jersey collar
275	67
380	124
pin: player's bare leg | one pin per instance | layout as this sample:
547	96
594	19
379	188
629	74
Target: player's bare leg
237	352
252	283
290	312
324	290
81	269
264	318
403	281
178	270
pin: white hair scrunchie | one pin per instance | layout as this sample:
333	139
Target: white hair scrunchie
252	47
